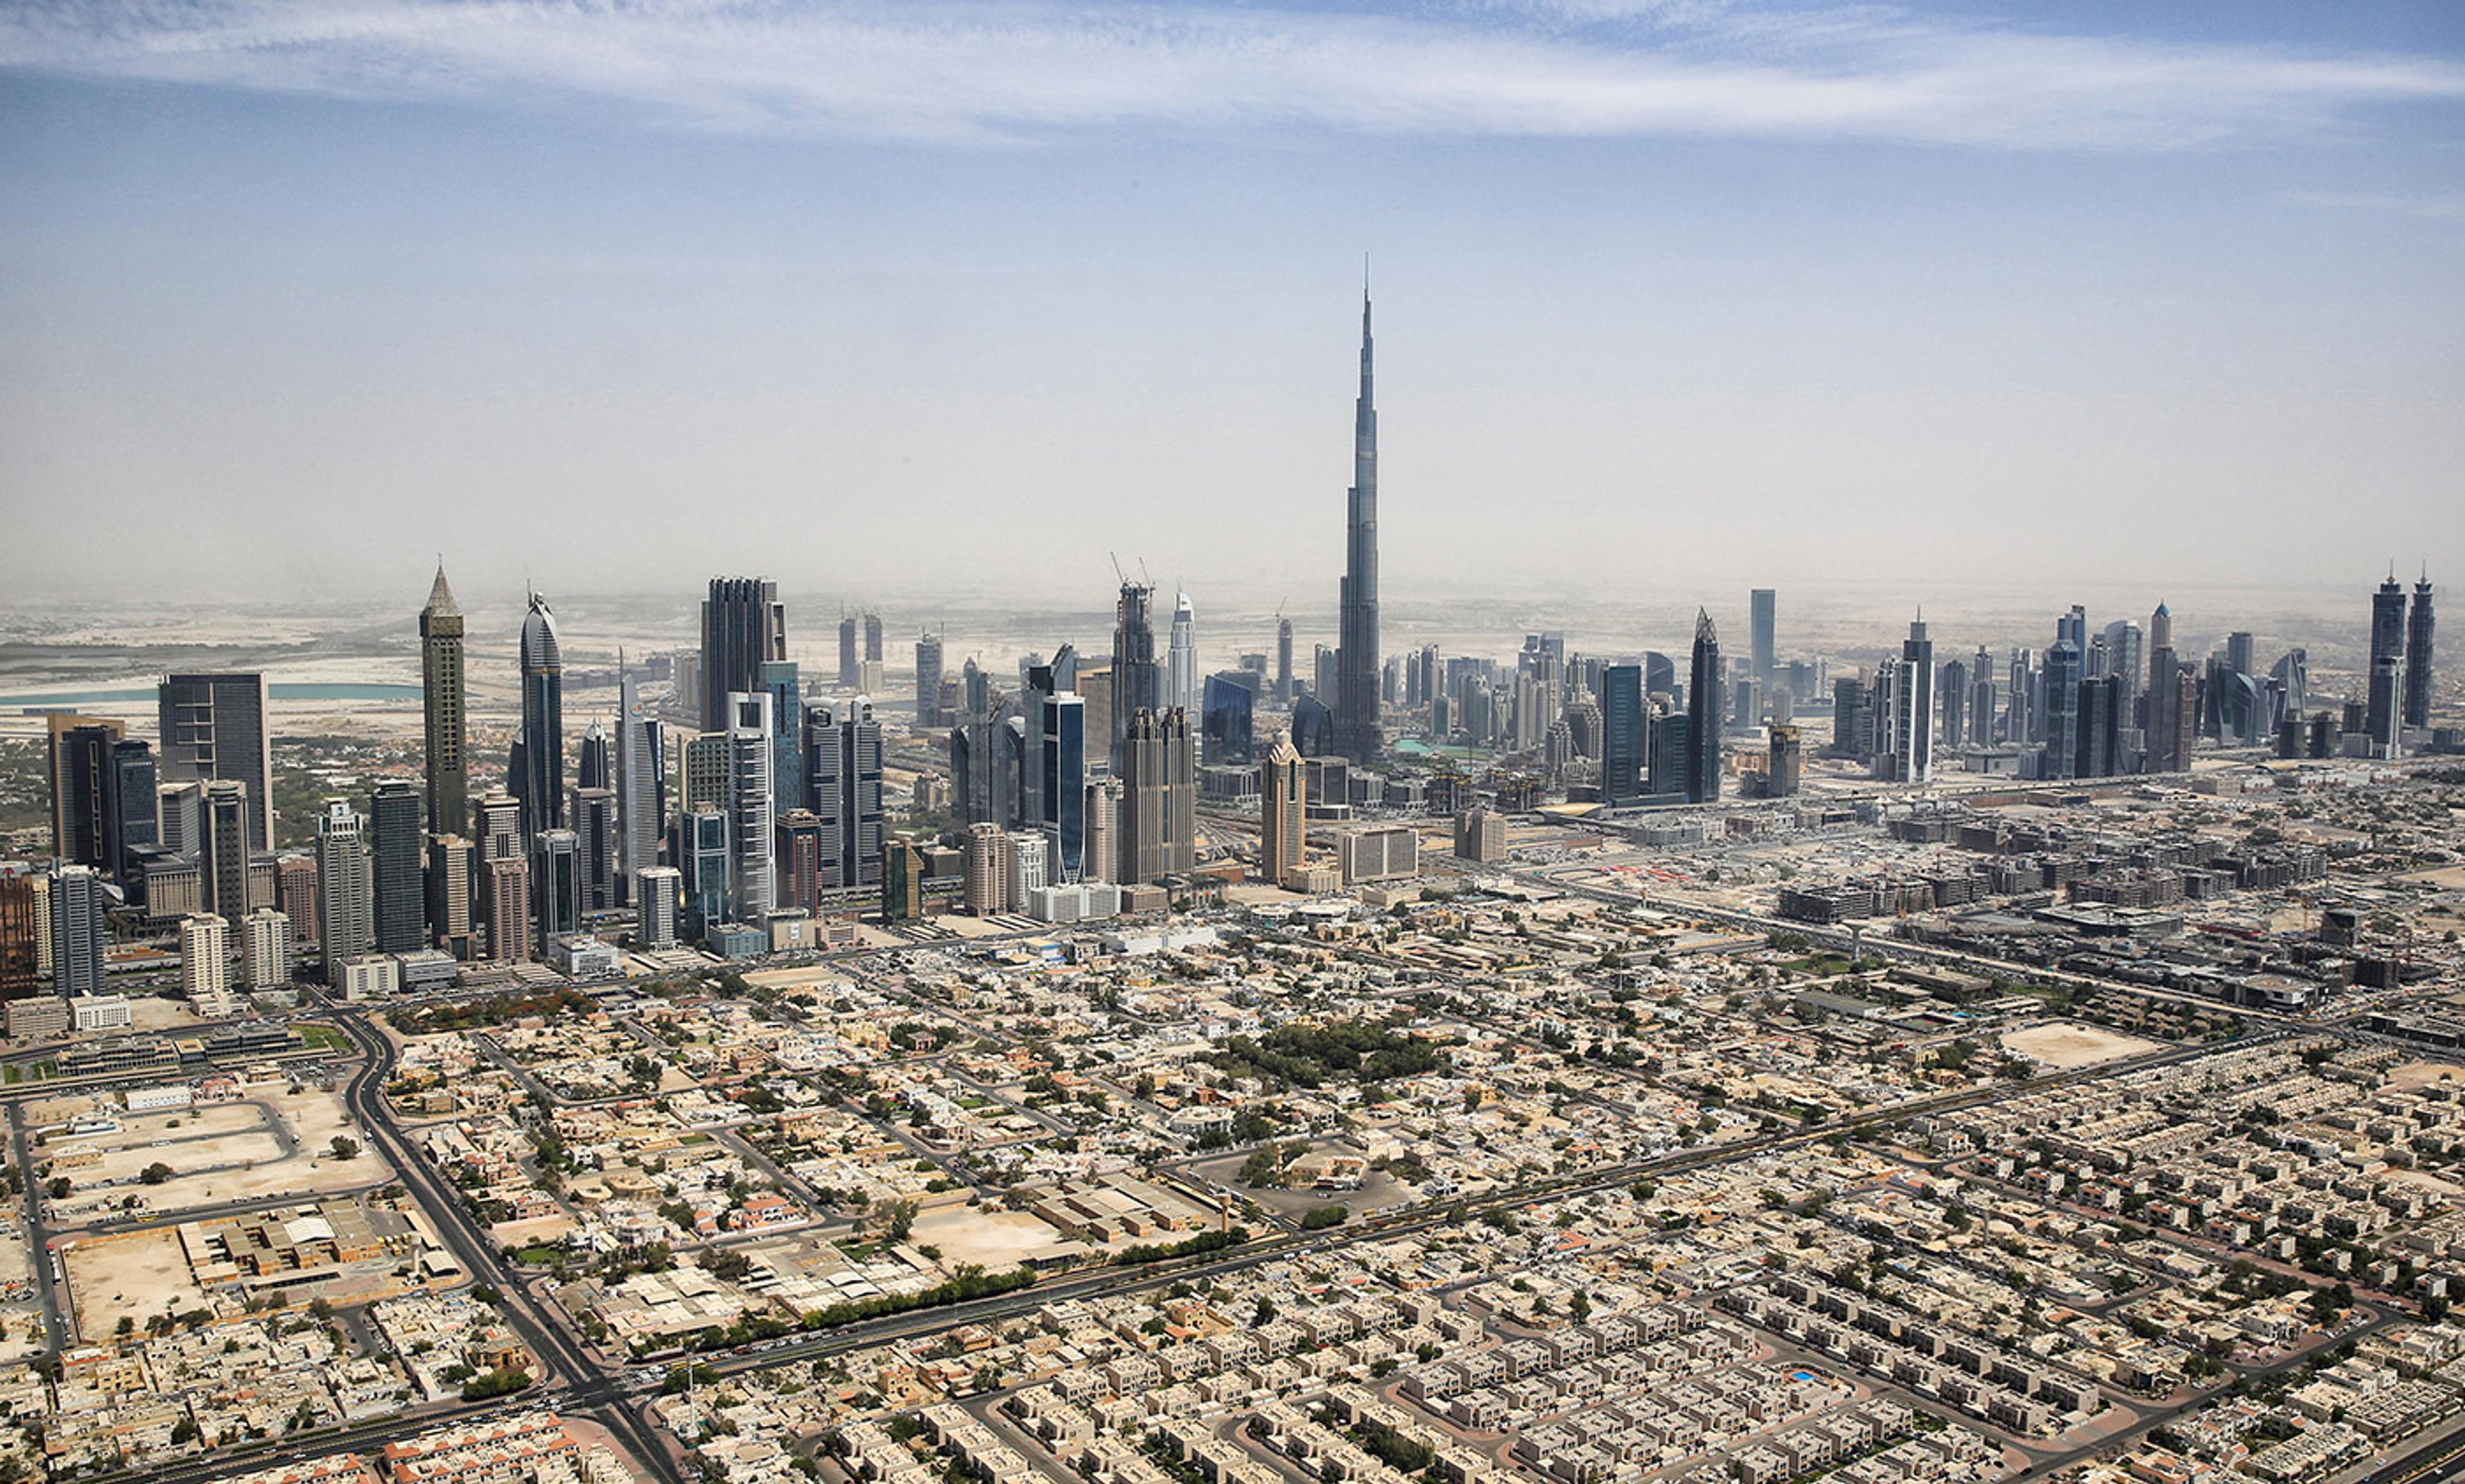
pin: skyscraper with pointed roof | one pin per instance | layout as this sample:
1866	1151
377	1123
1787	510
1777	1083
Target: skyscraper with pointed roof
448	758
538	776
2417	656
1181	657
1704	697
1356	734
2383	705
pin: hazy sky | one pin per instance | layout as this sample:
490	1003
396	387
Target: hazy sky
886	299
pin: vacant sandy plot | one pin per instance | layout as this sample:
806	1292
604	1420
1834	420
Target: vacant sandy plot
242	1156
998	1240
134	1275
183	1154
2423	1073
2065	1044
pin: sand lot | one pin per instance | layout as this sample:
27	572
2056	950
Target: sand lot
2065	1044
999	1240
222	1152
2423	1073
134	1276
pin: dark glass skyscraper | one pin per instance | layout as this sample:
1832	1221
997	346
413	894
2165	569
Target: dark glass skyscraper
448	761
1138	680
2417	656
850	675
843	790
1704	687
1624	745
214	726
2388	663
1762	606
539	778
1357	732
2062	706
394	860
743	627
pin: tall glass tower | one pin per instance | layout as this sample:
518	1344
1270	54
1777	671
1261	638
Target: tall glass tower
540	779
440	674
1356	673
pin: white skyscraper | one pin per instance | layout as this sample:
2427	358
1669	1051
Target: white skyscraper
750	877
1913	709
641	784
1180	658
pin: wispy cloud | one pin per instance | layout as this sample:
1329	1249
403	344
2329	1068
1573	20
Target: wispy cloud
2449	209
994	69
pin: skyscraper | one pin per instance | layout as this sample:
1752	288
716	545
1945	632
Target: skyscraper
128	808
1356	734
1159	797
1061	788
452	871
1913	726
1283	659
345	889
205	959
555	887
593	814
2383	710
2062	705
2126	650
843	789
743	627
873	638
1706	681
400	909
1763	604
1138	683
590	764
447	762
751	824
265	949
22	931
851	665
214	726
929	679
78	932
1624	745
223	821
1283	816
2417	656
787	735
641	784
1181	657
540	780
80	775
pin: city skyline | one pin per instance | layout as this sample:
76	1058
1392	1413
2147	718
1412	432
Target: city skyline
1759	287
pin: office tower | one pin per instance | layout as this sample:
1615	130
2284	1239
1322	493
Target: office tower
78	933
750	820
979	765
703	861
1314	727
2291	676
591	764
1853	720
539	780
295	893
1763	604
2239	653
1671	767
1913	723
641	782
1102	811
508	883
1952	701
1137	681
205	959
1788	762
2126	650
1884	691
179	816
2417	656
80	768
2062	705
345	889
265	954
1035	684
2173	714
593	814
1061	786
447	762
1029	868
452	871
1283	813
500	822
983	876
703	771
2101	727
2073	627
1623	739
658	899
850	666
2381	716
555	886
797	850
843	789
873	638
1356	734
1228	722
1283	659
928	680
400	915
1704	682
23	930
1159	797
744	626
224	820
1181	657
214	726
779	678
131	829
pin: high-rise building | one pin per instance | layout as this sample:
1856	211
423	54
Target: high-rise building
1853	719
873	638
1027	869
131	828
743	627
79	931
1159	797
659	899
25	929
447	762
1138	680
224	819
2101	727
1181	657
1061	786
1951	701
1229	721
843	789
2292	673
1788	761
265	951
205	959
702	861
1763	604
399	894
641	782
2384	709
703	766
1671	768
750	816
797	850
538	781
591	764
1624	742
1283	660
498	819
555	887
985	877
1912	724
593	813
80	776
1357	732
2062	706
452	886
1102	811
851	665
1704	682
779	678
214	726
345	889
1283	812
2416	710
508	882
929	679
2126	651
295	893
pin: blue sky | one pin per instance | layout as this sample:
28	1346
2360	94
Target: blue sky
886	299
